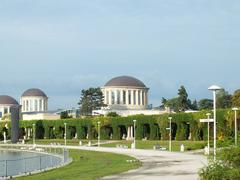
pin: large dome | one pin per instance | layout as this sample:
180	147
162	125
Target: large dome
7	100
125	81
34	92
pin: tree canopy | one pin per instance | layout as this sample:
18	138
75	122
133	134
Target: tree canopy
236	98
91	99
205	104
224	99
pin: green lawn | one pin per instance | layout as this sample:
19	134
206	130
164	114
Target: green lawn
88	165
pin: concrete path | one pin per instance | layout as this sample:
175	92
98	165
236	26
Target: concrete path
157	165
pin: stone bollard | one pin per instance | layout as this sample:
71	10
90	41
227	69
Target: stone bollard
89	144
80	143
206	152
182	148
133	146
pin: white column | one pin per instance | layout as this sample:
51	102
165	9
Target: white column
33	104
105	96
141	100
110	97
121	96
39	105
23	105
128	133
127	95
42	104
132	97
115	97
146	97
131	132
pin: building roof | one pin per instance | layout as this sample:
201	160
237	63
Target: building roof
34	92
125	81
7	100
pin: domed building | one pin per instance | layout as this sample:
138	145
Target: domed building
126	96
6	102
34	100
125	93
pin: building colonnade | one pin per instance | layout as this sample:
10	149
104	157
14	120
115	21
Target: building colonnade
128	97
34	104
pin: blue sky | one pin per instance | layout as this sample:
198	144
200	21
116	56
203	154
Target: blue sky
63	46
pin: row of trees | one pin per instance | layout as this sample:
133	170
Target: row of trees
93	98
182	103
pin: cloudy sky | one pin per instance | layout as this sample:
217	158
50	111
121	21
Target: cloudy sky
64	46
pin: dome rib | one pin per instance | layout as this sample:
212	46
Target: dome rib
125	81
34	92
7	100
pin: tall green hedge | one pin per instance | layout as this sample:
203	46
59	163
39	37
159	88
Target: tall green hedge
184	126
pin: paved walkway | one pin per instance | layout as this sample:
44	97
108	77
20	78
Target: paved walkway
157	165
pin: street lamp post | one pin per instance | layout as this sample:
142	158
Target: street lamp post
33	134
235	111
134	127
208	116
170	133
214	89
65	134
98	133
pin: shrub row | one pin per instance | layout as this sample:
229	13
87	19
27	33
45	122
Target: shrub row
185	126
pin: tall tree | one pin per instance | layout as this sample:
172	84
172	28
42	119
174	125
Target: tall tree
91	99
205	104
224	99
194	105
183	102
236	98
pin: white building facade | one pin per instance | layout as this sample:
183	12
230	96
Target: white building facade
126	96
125	93
34	100
6	102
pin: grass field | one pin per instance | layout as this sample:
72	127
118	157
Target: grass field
88	165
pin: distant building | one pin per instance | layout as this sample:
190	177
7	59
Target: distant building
6	102
34	100
126	96
35	106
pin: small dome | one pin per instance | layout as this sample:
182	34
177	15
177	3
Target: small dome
34	92
125	81
7	100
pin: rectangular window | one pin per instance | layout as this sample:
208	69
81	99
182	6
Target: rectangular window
129	97
139	98
124	97
118	97
143	100
5	110
107	98
134	97
27	105
36	105
31	105
40	105
113	97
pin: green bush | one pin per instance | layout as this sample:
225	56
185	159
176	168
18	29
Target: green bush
227	166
